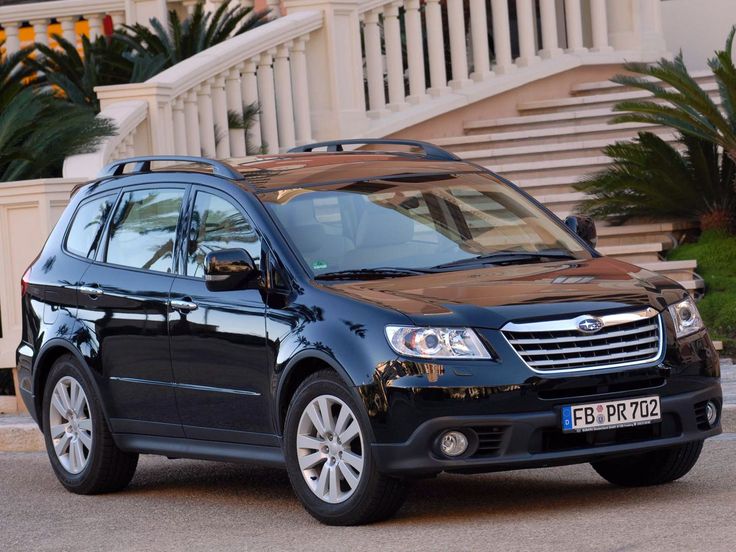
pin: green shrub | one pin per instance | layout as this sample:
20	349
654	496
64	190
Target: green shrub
716	256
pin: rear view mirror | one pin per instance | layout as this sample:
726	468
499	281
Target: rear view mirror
229	269
584	227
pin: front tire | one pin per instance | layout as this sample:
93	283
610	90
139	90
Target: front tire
79	444
327	444
650	468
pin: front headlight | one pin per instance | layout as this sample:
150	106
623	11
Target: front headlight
435	342
686	317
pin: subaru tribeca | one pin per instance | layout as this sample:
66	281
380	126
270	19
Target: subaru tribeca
361	318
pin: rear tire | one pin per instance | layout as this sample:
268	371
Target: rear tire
79	444
357	493
650	468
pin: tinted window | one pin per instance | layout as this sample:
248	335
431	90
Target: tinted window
414	223
217	224
87	224
143	229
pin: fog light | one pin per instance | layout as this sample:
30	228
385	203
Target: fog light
711	413
453	443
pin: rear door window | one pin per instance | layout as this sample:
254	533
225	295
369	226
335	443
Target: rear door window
143	229
87	225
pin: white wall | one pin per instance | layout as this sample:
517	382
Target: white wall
697	27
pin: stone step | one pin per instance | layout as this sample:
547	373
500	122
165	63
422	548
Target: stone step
20	434
593	101
676	270
572	169
548	152
542	120
547	135
608	87
633	253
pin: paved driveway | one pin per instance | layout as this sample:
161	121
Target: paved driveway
191	505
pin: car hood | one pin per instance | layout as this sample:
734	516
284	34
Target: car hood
493	295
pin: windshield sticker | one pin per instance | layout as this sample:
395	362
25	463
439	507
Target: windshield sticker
319	265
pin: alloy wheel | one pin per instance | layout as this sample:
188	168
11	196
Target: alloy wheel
70	425
330	448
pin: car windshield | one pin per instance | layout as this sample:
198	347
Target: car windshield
417	223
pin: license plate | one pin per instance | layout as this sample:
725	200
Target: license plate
609	415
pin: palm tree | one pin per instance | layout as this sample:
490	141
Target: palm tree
651	178
679	102
197	32
102	62
38	130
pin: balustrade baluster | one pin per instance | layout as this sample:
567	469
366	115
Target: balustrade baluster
599	24
374	63
180	127
41	31
191	116
527	43
479	37
95	25
436	47
300	84
266	93
222	126
394	57
250	98
12	42
501	36
574	26
206	120
68	32
415	52
458	48
550	42
234	95
284	98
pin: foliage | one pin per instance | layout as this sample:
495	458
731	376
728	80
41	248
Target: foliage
716	256
194	34
33	143
679	102
651	178
102	62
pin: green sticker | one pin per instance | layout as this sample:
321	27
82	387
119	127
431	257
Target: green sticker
319	265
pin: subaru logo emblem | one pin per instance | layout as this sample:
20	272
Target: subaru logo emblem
590	325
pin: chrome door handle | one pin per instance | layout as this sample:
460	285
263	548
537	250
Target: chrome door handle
182	305
92	291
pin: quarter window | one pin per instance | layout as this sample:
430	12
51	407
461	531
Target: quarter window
143	229
87	225
217	224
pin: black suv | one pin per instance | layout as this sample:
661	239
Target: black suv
360	318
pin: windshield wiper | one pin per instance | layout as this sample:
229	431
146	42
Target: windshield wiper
508	256
369	273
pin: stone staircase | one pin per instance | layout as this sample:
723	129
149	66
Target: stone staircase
553	143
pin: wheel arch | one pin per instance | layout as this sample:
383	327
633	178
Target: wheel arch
52	351
299	368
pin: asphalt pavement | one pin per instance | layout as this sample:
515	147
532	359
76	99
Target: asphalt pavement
191	505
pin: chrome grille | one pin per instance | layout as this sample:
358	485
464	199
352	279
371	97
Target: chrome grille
625	339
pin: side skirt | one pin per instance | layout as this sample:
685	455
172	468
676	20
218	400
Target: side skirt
175	447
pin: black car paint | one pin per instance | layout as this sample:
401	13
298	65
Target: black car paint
223	392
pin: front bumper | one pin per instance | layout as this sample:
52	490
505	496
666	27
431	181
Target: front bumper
534	439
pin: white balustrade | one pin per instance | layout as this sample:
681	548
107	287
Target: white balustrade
343	68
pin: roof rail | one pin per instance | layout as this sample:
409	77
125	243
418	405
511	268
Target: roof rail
143	165
430	150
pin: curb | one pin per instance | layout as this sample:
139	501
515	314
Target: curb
22	435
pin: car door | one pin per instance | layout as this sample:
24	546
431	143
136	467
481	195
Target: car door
123	300
218	339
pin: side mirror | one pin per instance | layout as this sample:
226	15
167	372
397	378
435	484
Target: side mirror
229	269
583	227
